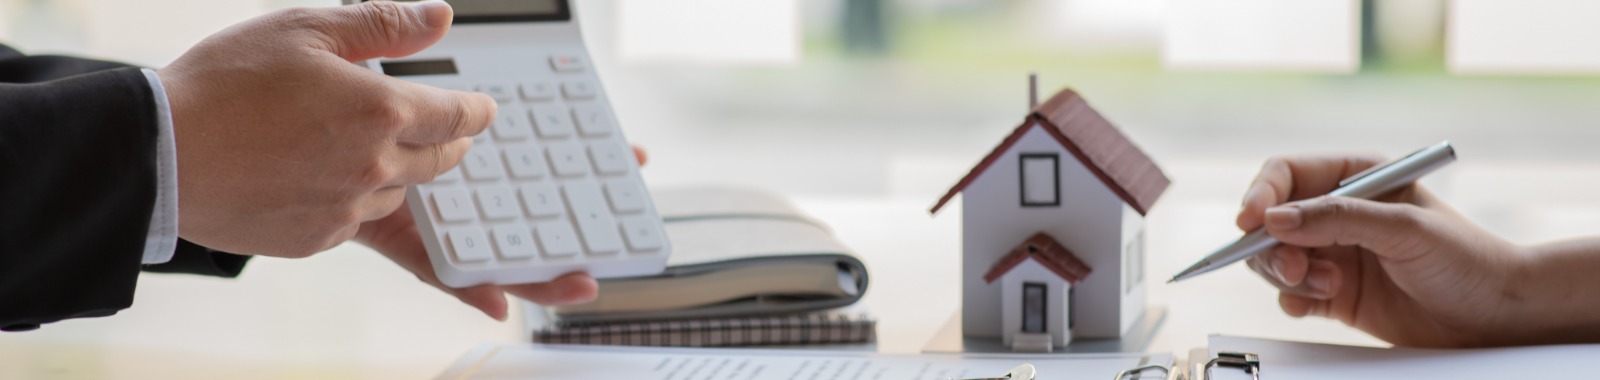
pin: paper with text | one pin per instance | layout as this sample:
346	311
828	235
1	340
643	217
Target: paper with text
565	362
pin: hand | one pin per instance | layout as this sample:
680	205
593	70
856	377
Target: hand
396	237
285	147
1404	268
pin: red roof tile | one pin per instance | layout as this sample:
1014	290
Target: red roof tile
1045	250
1114	159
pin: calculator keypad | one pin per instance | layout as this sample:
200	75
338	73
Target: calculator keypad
552	181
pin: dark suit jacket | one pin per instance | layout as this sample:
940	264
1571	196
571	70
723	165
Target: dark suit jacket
77	187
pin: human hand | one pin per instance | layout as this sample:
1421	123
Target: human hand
1405	268
396	237
285	147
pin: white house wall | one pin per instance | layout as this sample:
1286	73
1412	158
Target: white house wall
1088	222
1133	300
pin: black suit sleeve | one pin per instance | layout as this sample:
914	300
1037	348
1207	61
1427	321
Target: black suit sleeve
77	188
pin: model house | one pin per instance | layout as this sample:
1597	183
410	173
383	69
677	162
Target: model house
1053	230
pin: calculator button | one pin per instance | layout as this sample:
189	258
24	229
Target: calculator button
567	63
625	195
593	120
525	161
641	233
498	203
538	91
482	163
470	244
599	229
452	175
500	92
567	159
454	205
579	89
511	125
551	121
514	241
557	239
610	157
541	200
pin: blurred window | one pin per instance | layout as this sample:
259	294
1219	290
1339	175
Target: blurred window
710	31
1299	35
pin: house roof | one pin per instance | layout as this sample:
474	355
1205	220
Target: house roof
1114	159
1045	250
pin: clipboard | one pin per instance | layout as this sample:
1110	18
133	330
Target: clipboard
1294	360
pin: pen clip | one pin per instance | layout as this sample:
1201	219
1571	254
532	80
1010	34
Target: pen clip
1376	168
1363	173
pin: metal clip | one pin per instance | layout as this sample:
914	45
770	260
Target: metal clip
1137	371
1250	363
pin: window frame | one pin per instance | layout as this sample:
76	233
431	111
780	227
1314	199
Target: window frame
1022	179
1044	307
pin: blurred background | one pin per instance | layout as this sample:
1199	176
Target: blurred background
882	98
898	97
881	105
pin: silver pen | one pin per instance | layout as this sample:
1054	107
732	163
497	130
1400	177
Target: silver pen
1378	180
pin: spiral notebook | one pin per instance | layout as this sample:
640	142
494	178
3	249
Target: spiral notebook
845	325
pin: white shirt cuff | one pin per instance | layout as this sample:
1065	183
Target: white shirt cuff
162	239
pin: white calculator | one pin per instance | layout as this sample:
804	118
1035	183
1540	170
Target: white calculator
551	187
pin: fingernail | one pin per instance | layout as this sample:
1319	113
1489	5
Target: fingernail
1277	268
1322	283
434	13
1283	217
1248	195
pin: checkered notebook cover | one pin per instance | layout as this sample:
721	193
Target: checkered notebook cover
844	325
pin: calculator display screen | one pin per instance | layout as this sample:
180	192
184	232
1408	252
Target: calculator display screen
419	67
487	11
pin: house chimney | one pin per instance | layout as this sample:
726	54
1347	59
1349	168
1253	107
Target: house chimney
1033	90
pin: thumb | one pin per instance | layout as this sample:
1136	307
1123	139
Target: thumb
1386	229
382	28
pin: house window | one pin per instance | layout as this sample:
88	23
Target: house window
1040	183
1033	307
1139	269
1072	310
1133	263
1127	267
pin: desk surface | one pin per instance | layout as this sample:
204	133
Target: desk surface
348	313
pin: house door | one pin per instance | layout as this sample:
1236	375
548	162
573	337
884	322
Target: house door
1033	308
